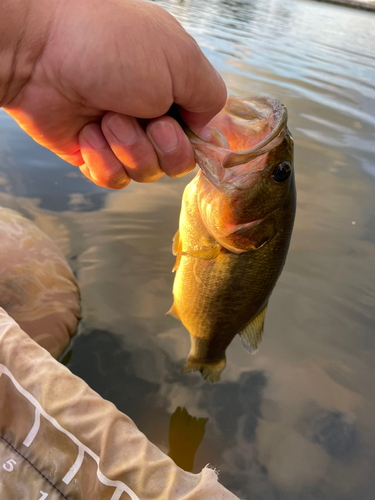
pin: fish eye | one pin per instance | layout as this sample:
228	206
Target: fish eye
281	172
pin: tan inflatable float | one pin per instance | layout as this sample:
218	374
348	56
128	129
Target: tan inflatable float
58	438
37	287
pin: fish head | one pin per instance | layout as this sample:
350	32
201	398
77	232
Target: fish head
247	188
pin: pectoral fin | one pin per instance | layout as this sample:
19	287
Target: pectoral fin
177	245
251	335
176	250
206	253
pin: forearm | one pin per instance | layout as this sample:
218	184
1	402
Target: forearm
24	29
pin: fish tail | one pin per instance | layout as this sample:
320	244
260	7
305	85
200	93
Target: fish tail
210	371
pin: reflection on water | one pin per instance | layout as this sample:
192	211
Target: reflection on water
295	421
185	436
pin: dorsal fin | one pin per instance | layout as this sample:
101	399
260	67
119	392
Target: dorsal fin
251	335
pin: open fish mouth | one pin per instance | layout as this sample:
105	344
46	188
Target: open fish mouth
246	128
250	124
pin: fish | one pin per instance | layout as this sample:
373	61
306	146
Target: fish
235	227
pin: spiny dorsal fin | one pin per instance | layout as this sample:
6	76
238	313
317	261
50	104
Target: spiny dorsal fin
173	312
251	335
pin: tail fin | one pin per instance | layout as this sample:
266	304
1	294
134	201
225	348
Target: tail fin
209	371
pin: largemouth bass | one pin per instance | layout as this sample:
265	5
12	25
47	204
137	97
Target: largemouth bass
235	227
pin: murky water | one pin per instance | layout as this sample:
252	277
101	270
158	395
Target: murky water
295	421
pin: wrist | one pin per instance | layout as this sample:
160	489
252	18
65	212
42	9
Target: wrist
24	32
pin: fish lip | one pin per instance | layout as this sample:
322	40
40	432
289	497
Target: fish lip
229	158
235	158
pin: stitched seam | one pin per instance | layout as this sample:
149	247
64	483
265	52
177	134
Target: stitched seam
32	465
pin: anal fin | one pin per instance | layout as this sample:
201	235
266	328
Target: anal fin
251	335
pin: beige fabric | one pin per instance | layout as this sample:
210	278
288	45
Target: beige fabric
37	287
60	439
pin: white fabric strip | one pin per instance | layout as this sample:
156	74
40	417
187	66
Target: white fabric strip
75	467
117	494
34	429
119	485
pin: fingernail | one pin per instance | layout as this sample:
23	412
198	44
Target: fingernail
95	139
205	134
123	129
164	135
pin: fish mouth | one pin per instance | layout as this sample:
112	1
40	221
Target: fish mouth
249	127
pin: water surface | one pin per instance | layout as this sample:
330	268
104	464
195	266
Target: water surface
295	421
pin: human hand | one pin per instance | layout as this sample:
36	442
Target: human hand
77	75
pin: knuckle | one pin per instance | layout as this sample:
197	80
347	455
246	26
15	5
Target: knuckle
179	165
145	174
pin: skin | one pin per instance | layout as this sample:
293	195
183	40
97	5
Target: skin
93	81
